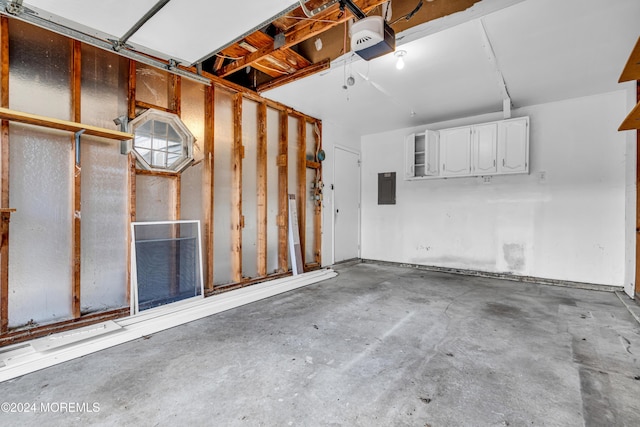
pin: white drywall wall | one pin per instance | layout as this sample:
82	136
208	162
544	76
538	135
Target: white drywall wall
333	135
630	212
569	227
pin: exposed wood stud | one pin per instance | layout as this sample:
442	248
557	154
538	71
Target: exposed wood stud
4	176
177	185
318	204
207	185
262	190
302	184
131	207
637	278
175	88
236	192
283	197
131	177
4	57
131	107
76	196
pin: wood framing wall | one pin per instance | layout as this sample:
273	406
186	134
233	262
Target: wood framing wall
175	105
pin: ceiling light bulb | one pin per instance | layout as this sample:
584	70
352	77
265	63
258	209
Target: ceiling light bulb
400	63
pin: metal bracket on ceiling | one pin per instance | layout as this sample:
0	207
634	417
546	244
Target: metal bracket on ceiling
314	12
279	40
14	7
353	8
172	65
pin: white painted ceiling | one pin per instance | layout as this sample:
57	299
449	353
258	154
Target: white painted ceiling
547	50
185	30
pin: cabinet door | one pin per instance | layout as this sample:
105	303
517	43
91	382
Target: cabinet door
485	142
421	154
455	151
409	162
432	150
513	146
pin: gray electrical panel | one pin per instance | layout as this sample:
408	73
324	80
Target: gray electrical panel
387	188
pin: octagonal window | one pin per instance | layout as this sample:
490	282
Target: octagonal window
161	141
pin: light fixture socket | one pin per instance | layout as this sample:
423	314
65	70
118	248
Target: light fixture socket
400	54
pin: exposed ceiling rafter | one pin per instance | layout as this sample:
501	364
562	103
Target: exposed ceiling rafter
302	31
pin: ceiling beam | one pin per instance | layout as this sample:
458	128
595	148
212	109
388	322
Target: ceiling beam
304	72
301	32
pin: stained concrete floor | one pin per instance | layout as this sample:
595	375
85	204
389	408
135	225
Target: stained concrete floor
375	346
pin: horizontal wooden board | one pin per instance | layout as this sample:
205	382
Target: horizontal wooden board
50	122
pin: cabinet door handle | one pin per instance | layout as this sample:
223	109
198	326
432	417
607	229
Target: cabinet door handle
494	163
503	163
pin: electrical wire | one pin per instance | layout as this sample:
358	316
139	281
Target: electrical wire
272	69
219	55
409	15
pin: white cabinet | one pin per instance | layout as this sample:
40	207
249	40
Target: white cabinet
422	154
484	149
494	148
455	152
513	146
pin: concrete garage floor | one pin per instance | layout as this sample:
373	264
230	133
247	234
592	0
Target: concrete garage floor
375	346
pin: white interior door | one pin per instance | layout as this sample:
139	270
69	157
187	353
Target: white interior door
346	205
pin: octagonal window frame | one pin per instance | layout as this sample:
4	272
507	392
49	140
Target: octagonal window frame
162	142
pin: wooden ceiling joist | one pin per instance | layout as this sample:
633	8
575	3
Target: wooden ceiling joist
302	31
312	69
632	68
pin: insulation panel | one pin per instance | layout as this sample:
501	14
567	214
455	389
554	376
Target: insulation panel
40	240
250	188
273	138
222	168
